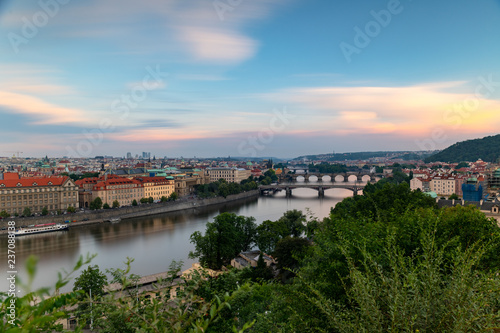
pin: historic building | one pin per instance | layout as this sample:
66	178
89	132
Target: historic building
36	193
231	175
156	187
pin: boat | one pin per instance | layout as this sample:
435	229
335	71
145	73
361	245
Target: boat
49	227
114	220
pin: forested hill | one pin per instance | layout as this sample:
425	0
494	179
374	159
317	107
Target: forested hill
487	149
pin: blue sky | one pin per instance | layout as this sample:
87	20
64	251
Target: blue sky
246	78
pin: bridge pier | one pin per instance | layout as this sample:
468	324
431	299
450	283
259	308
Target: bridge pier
288	192
321	192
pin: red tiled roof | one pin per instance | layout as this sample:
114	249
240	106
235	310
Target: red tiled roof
115	181
33	181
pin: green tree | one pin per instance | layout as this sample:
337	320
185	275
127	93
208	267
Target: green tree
143	200
27	211
4	213
151	200
71	209
116	204
224	190
134	202
294	221
163	199
106	206
224	239
91	280
269	234
454	196
173	196
289	252
96	204
45	211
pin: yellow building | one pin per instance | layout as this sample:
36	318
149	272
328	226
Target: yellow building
156	187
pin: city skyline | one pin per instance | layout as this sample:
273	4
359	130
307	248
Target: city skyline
246	78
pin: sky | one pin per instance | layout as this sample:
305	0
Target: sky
247	78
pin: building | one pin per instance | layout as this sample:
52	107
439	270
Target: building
156	187
472	190
124	190
420	184
231	175
36	193
250	259
85	187
443	185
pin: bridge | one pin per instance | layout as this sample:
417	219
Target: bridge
320	187
359	176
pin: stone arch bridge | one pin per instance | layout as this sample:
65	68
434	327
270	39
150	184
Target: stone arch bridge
320	187
360	177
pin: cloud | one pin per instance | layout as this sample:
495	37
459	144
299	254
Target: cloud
190	31
217	45
44	113
408	110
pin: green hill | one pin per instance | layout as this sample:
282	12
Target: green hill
487	149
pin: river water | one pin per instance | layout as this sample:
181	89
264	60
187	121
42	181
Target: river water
154	241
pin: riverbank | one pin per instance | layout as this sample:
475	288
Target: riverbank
88	217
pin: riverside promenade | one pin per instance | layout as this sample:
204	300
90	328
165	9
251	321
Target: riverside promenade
87	217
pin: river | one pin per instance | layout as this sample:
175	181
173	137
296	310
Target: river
154	241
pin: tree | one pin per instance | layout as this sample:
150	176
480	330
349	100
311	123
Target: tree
116	204
96	204
134	202
224	239
288	253
454	196
45	211
224	190
91	280
143	200
269	233
151	200
4	213
106	206
173	196
71	209
294	221
163	199
27	211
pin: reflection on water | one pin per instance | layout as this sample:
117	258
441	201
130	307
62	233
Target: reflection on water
152	241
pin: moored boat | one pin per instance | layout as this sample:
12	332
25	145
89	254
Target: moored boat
40	228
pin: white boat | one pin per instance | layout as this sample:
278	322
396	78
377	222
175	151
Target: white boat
40	228
115	220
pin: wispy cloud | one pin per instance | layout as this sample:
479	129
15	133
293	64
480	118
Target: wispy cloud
43	112
408	110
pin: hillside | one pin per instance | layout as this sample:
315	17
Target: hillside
487	149
354	156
